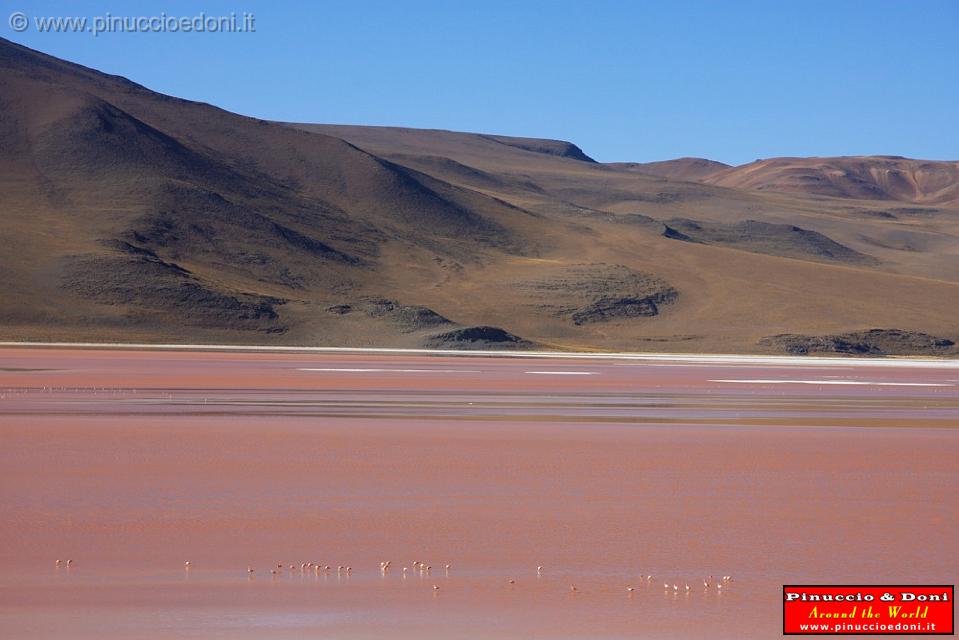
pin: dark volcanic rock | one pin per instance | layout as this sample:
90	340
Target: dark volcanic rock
673	234
874	342
609	308
480	337
150	289
587	293
764	237
340	309
407	317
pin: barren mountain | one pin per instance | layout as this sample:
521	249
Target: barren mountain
692	169
131	215
861	177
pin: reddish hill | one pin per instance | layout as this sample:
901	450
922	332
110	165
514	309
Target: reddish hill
862	177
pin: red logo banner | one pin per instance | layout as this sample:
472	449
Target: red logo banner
868	609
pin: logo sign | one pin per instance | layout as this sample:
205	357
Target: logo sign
816	609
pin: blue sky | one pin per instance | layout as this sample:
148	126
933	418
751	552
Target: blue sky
732	81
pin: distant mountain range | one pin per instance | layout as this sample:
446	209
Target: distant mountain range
860	177
131	215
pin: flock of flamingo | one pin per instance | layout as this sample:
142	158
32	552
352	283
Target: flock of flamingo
423	569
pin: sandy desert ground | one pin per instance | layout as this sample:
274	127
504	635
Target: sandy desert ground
603	471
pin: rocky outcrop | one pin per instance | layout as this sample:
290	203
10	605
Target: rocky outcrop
874	342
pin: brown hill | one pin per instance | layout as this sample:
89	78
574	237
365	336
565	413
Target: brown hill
862	177
691	169
130	215
155	199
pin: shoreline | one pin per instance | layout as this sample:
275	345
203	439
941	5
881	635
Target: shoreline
697	358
